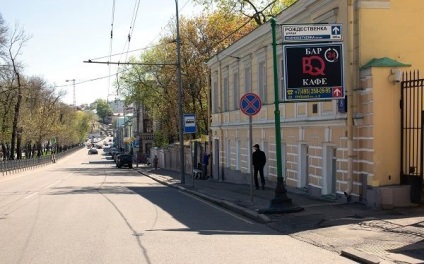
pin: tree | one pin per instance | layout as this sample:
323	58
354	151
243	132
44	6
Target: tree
42	114
103	109
258	10
154	81
3	37
31	113
14	44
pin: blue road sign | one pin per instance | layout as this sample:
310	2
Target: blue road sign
342	105
189	123
250	104
135	144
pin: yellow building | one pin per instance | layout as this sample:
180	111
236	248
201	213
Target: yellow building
353	152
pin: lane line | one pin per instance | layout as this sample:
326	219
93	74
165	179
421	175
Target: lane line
220	208
56	182
29	196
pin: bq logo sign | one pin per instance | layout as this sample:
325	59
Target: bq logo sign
313	72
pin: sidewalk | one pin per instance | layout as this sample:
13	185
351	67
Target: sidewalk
351	229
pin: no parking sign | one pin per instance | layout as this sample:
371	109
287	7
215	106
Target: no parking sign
250	104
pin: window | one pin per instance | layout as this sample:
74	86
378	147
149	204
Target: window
247	78
280	70
215	95
225	93
236	91
147	125
262	82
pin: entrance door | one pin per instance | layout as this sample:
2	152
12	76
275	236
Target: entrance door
302	166
329	170
215	160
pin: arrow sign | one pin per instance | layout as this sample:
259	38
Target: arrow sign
337	92
336	30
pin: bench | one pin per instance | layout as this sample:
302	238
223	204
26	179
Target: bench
197	174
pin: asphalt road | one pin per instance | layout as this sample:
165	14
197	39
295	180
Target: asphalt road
83	209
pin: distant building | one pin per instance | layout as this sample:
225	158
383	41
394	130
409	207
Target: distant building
117	105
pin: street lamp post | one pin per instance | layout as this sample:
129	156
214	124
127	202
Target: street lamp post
180	98
73	82
281	202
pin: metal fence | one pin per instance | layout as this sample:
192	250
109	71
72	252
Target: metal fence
14	166
412	133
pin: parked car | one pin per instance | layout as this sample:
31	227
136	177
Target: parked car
116	157
93	151
109	150
124	160
114	154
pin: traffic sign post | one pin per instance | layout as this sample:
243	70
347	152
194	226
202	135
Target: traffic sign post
250	104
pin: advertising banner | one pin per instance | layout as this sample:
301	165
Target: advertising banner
313	72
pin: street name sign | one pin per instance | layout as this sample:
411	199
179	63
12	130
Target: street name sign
312	32
313	72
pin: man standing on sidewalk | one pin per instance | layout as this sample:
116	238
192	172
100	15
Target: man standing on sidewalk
205	163
258	160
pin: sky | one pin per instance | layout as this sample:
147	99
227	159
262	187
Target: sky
64	34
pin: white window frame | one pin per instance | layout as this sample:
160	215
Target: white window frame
262	89
247	77
215	93
225	92
236	89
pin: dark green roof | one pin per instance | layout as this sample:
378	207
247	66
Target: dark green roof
384	62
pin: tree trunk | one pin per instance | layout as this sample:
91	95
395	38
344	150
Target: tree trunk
16	116
19	143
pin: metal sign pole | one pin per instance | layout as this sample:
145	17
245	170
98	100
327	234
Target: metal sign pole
250	104
251	163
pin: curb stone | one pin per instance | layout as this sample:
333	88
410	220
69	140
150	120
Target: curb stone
261	218
363	257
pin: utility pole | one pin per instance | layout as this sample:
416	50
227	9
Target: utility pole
281	202
180	99
73	84
138	136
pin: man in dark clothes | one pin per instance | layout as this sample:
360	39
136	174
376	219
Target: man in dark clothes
205	163
258	160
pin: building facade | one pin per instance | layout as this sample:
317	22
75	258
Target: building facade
348	148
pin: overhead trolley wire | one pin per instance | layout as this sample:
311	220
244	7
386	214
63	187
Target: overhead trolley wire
110	44
128	41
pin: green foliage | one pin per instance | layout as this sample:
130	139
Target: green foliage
258	10
159	139
103	109
154	85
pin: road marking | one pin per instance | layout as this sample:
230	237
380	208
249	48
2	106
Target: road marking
29	196
219	208
56	182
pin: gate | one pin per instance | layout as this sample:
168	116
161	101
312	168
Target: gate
412	119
